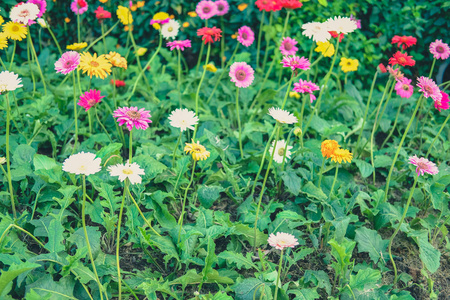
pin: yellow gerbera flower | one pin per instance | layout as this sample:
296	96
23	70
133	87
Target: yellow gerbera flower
3	41
93	65
210	67
326	48
117	60
103	1
242	6
159	16
198	151
15	31
348	64
76	46
1	20
340	155
328	147
124	15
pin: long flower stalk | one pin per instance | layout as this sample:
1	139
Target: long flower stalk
101	124
130	146
197	94
175	149
179	76
180	220
37	60
239	123
280	266
54	39
222	43
258	48
138	60
119	223
334	181
437	135
394	125
321	172
12	56
287	91
266	52
367	109
75	113
282	35
30	62
142	214
8	158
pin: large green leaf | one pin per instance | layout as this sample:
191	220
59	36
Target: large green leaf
94	239
208	194
47	168
238	259
365	279
251	288
313	192
55	237
248	234
14	270
305	294
365	168
164	244
370	241
291	181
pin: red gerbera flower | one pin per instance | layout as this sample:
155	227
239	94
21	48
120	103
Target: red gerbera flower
335	35
102	14
208	34
268	5
382	68
402	59
407	41
290	4
118	83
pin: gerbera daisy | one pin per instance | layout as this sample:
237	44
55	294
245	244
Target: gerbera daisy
68	62
90	99
402	59
341	25
295	62
304	86
282	116
3	41
102	14
429	88
280	150
79	7
443	103
341	155
9	81
82	163
382	68
124	15
127	170
210	68
407	41
395	73
268	5
210	35
158	19
117	60
24	13
287	46
170	29
15	31
179	45
95	66
131	116
241	74
222	7
348	64
198	151
206	9
403	88
245	36
282	240
423	165
328	147
183	119
440	50
318	31
326	48
42	6
77	46
290	4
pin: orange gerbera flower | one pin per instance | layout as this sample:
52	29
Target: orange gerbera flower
328	147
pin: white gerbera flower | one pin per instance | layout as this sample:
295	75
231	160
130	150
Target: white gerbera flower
82	163
282	116
23	13
130	171
170	29
318	31
280	149
9	81
183	118
341	24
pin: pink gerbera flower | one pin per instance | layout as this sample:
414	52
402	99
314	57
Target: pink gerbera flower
89	99
222	7
423	165
443	103
404	88
241	74
160	22
440	50
180	45
304	86
282	240
245	36
131	116
295	62
41	4
79	7
206	9
429	88
288	46
68	62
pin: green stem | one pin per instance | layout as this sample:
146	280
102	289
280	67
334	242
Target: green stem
258	49
310	57
283	162
432	68
24	231
321	171
239	123
282	35
175	149
89	121
424	122
266	52
222	43
280	266
437	135
395	124
37	61
138	60
8	158
78	28
367	109
179	76
75	114
103	39
130	147
287	91
142	214
54	39
30	62
101	124
199	58
180	220
334	181
12	56
197	94
3	64
119	277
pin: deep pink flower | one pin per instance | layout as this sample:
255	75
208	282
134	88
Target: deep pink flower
295	62
131	116
429	88
180	45
423	165
288	46
68	62
79	7
241	74
440	50
160	22
282	240
443	103
41	4
304	86
404	88
222	7
358	21
245	36
206	9
89	99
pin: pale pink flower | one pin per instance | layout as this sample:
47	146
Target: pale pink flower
429	88
443	103
68	62
304	86
423	165
295	62
206	9
440	50
245	36
180	45
131	116
241	74
90	99
222	7
404	88
287	46
282	240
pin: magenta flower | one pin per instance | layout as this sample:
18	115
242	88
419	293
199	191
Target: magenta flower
440	50
295	62
180	45
287	46
282	240
131	116
160	22
429	88
79	7
41	4
404	88
443	103
423	165
241	74
245	36
358	21
90	99
68	62
222	7
206	9
304	86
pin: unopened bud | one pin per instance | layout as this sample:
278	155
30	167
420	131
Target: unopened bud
298	131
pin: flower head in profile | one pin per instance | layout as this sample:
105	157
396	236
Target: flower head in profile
76	46
79	7
443	103
282	240
170	29
210	68
281	149
282	116
317	31
82	163
124	15
210	35
328	147
24	13
304	86
396	73
222	7
403	88
15	31
102	14
68	62
206	9
423	165
241	74
198	151
381	68
348	64
245	36
404	41
42	22
341	25
141	51
90	99
429	88
242	6
95	66
179	45
42	6
326	48
440	50
9	81
183	119
341	155
131	171
290	4
117	60
402	59
295	62
133	117
268	5
287	46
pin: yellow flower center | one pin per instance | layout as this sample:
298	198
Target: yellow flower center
15	28
94	64
127	171
281	152
170	29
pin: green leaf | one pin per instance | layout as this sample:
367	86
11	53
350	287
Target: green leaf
323	3
305	294
210	259
291	181
112	149
365	279
318	278
208	194
238	259
382	161
314	192
94	239
14	270
151	286
55	237
370	241
62	289
248	234
162	214
250	288
164	244
365	168
47	168
429	255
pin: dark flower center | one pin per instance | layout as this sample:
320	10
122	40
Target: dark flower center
245	35
401	60
15	28
91	102
220	7
240	75
405	87
68	63
134	115
94	64
206	9
422	165
440	49
197	149
24	13
288	46
428	89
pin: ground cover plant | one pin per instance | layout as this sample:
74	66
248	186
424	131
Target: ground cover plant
224	150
